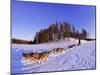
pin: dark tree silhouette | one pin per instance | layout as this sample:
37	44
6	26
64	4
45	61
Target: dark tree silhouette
59	31
84	34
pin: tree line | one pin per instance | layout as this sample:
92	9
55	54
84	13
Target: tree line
55	32
59	31
20	41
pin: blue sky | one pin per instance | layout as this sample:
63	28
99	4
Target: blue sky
29	17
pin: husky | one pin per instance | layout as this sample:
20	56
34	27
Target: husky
71	46
40	57
56	51
43	57
29	57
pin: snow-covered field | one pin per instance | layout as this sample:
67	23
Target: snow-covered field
77	58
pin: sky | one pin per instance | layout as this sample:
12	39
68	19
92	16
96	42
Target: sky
29	17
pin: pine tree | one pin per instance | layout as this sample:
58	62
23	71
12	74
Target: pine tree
36	39
73	31
61	31
67	29
84	34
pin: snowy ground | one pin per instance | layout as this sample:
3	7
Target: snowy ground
76	58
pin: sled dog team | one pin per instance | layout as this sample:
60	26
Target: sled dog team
42	57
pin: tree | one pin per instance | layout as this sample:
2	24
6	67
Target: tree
36	39
50	33
77	34
67	29
61	31
46	36
56	31
84	34
73	31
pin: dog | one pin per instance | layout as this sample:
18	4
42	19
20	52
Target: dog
43	57
57	51
71	46
40	57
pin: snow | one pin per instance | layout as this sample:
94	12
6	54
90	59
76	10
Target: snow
77	58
